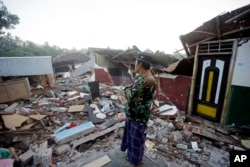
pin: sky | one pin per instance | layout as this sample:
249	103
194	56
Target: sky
115	24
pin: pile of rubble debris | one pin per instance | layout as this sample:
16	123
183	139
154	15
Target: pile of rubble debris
61	126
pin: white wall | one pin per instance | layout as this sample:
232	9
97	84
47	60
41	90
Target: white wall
241	73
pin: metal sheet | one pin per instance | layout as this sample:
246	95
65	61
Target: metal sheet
25	66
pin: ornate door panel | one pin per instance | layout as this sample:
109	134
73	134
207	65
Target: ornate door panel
211	79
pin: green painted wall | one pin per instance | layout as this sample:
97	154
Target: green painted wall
238	111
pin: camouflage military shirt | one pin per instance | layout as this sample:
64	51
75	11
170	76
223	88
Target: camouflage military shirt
140	97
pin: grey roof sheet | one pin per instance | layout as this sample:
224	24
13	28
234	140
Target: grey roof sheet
88	66
24	66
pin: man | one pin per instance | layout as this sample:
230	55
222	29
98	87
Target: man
137	109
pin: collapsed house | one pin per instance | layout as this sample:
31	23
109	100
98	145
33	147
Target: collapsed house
220	52
58	126
21	72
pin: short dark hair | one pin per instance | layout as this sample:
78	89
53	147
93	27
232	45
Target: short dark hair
144	64
145	59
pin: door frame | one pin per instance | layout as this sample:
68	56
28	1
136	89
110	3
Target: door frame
199	52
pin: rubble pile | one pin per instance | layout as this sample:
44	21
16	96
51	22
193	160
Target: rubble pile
61	126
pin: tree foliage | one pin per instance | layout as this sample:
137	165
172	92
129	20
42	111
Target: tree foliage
7	20
14	47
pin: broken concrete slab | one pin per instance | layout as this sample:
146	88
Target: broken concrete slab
108	123
203	131
61	149
73	133
42	156
26	157
93	136
12	107
99	162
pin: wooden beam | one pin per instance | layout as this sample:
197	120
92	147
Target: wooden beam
237	16
218	27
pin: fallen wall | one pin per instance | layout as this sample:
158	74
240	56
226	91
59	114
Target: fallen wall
173	88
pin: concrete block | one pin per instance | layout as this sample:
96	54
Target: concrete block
46	156
62	149
108	124
12	107
26	157
43	145
37	156
74	133
42	156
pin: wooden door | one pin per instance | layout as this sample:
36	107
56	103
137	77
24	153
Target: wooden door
211	79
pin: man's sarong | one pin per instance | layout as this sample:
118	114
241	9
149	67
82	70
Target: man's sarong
133	141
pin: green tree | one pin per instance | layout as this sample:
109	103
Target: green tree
7	20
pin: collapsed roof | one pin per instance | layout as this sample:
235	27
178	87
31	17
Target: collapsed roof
230	25
61	62
160	60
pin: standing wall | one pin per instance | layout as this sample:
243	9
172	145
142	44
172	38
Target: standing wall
238	109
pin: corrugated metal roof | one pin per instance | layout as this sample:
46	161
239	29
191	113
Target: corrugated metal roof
24	66
88	66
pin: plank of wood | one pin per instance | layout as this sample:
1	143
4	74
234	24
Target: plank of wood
99	162
216	136
26	127
37	117
76	108
18	120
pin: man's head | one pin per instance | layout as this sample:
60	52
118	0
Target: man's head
144	59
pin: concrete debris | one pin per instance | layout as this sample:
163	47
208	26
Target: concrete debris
61	149
26	157
63	126
11	108
70	134
42	156
3	106
99	162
